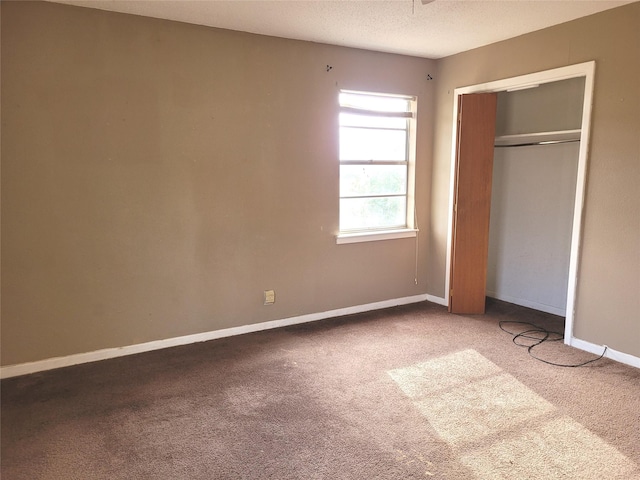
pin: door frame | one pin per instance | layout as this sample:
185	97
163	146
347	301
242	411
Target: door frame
586	70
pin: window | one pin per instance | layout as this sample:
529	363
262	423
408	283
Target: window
377	150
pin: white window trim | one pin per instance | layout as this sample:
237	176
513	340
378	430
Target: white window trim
375	236
411	230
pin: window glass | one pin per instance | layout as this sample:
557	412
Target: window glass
358	180
375	161
357	120
372	144
372	213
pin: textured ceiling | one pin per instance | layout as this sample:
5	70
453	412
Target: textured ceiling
431	30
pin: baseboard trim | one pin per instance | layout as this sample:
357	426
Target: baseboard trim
610	353
527	303
438	300
106	353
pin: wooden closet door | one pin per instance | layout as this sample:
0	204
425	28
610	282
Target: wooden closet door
472	202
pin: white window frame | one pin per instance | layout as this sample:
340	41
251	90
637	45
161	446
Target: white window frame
410	227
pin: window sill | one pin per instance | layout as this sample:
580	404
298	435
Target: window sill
359	237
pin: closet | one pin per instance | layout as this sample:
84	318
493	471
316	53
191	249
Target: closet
535	171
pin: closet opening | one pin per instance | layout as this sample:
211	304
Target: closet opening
535	170
536	188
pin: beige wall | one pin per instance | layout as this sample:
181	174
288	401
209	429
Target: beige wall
608	296
158	176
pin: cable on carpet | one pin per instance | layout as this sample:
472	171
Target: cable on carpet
539	335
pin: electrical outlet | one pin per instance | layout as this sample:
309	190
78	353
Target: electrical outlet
269	297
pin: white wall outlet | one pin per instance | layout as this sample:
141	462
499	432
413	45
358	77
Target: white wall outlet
269	297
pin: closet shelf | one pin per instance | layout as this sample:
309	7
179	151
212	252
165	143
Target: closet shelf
559	136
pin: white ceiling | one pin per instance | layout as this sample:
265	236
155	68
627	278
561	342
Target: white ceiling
431	30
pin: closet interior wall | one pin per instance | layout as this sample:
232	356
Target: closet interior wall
533	194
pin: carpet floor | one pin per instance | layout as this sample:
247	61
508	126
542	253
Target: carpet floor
402	393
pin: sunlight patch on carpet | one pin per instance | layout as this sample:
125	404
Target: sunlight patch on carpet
466	397
481	408
560	448
501	428
442	373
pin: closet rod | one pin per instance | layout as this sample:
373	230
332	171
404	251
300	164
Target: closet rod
529	144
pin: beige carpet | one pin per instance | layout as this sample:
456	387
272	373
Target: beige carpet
409	392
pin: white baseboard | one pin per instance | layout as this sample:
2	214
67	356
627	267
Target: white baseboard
610	353
528	303
106	353
438	300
